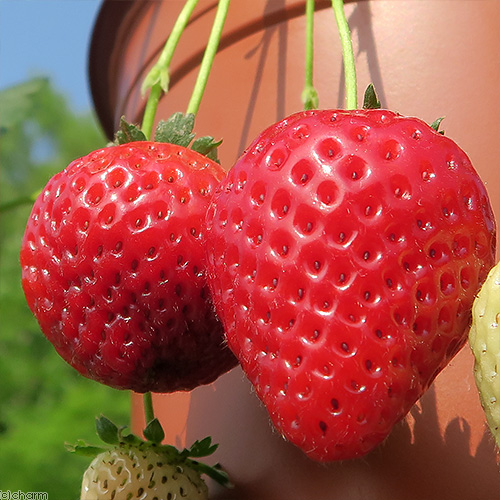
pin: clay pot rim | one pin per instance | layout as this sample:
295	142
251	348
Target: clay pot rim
116	19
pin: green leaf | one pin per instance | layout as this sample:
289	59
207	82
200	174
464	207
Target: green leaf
436	123
176	130
154	431
371	100
128	133
107	430
207	146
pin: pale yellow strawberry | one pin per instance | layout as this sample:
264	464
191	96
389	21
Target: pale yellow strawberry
484	339
125	473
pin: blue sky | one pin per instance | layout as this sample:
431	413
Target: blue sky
48	38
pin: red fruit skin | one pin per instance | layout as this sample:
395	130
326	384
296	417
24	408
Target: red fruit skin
345	249
113	268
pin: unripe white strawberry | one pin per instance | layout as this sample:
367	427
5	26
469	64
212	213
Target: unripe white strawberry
128	472
484	339
133	468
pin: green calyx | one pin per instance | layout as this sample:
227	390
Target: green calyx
436	124
178	129
116	437
371	100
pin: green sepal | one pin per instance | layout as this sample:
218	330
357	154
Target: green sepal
176	130
130	439
83	449
107	430
207	146
156	75
436	124
154	431
310	98
202	448
213	471
128	133
371	100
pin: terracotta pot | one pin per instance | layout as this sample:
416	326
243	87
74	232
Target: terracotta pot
427	58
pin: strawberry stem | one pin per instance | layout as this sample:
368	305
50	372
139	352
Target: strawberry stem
309	94
158	78
208	57
149	413
347	54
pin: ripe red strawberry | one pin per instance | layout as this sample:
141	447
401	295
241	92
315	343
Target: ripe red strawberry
114	269
344	252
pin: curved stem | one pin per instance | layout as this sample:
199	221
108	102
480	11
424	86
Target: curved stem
347	54
309	94
158	77
208	57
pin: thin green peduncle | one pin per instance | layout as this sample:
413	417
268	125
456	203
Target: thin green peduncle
149	413
347	54
309	94
150	110
208	57
158	78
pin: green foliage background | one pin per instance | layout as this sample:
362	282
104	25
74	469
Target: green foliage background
43	401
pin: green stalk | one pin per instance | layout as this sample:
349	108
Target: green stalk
150	110
309	94
208	57
149	413
347	54
158	77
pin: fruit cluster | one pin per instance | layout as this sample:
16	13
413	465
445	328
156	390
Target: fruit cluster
337	261
342	254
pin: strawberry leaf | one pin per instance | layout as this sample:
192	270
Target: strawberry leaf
107	430
371	100
154	431
176	130
128	133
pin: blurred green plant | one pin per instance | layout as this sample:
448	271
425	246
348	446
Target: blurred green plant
43	401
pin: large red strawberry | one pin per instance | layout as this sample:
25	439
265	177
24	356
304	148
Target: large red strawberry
114	268
344	252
